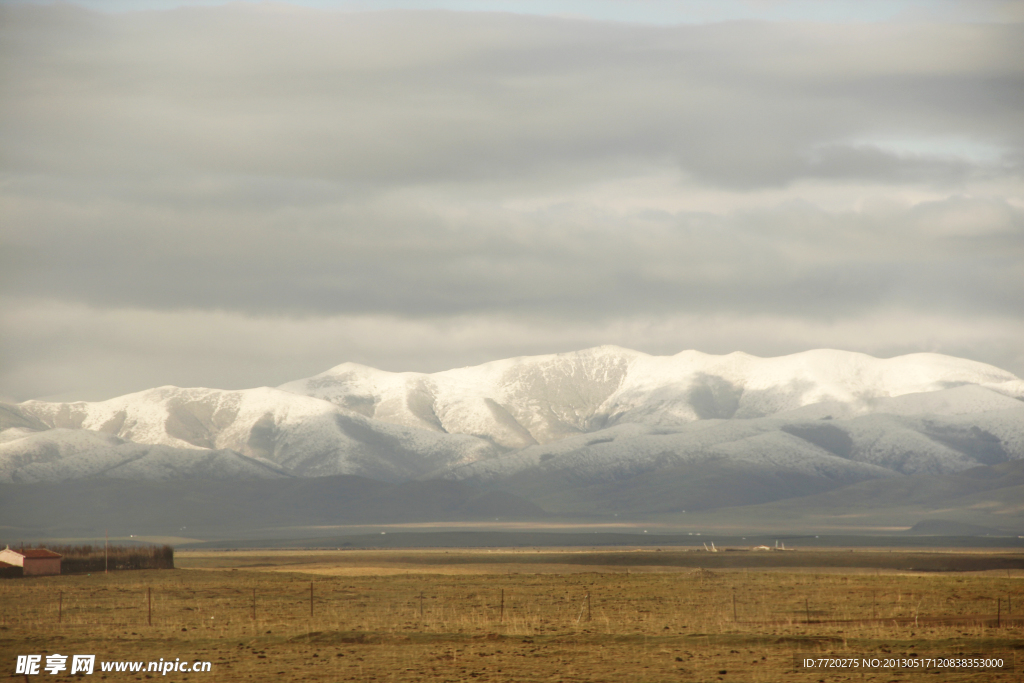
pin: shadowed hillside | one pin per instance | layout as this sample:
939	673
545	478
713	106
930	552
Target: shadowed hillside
197	507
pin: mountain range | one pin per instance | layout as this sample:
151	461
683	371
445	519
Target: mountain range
600	431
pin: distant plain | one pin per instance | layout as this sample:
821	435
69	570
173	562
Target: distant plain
532	614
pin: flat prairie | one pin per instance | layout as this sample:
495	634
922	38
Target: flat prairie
531	615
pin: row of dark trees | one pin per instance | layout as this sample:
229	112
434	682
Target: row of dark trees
90	559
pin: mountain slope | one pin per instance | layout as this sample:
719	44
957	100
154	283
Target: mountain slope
304	436
65	454
866	447
520	402
986	496
205	508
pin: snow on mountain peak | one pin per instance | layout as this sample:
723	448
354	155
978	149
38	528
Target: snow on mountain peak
519	401
355	419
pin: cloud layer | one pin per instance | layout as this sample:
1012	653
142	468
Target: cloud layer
304	173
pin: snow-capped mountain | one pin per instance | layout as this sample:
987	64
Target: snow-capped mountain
597	415
522	402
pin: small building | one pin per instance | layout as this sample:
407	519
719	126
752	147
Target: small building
33	561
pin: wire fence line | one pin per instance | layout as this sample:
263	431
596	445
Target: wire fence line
515	603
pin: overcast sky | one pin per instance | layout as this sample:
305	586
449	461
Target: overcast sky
241	194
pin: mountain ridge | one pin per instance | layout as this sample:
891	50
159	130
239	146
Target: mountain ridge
542	397
590	417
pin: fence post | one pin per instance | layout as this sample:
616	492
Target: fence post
999	612
807	610
310	598
501	614
734	605
254	604
585	607
60	607
149	603
421	604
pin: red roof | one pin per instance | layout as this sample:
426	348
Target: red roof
37	553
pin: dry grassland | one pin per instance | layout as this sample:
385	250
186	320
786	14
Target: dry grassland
438	616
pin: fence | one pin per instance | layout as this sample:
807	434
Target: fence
516	604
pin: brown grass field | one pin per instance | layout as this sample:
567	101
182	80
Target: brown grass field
437	615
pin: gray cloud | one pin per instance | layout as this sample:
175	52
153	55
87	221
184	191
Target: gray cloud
398	256
421	97
407	172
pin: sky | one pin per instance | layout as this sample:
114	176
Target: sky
241	194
